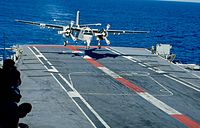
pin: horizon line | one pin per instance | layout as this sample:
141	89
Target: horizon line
191	1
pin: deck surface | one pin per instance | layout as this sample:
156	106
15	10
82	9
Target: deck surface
117	87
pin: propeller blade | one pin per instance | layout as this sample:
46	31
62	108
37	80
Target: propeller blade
107	41
72	24
73	38
108	26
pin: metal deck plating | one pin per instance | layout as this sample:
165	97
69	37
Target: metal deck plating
109	87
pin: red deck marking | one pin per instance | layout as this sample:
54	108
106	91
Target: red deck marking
68	46
73	48
186	121
93	62
180	117
130	85
90	60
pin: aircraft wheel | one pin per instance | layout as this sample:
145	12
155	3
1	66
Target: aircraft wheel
65	43
99	46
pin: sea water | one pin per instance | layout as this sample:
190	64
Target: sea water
175	23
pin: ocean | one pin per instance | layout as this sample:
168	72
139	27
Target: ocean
175	23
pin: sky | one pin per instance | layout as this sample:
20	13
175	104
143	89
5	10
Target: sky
196	1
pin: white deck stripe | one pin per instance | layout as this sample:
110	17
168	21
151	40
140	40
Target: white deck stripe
159	104
109	72
142	65
67	82
88	105
130	58
41	55
77	94
151	99
113	51
37	56
69	94
182	83
195	87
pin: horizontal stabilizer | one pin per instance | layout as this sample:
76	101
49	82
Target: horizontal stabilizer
85	25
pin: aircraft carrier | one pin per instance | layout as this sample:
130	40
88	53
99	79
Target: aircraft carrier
111	87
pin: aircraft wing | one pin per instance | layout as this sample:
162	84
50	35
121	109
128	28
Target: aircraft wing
126	32
86	25
41	24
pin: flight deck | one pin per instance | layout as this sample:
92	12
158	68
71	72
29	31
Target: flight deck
112	87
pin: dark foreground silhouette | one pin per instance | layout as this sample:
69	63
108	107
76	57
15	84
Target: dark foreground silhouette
10	96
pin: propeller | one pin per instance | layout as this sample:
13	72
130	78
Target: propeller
105	34
107	26
66	30
73	38
107	41
71	24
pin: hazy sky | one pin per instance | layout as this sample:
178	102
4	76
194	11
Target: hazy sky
196	1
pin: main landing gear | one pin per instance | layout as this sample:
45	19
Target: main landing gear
66	43
99	44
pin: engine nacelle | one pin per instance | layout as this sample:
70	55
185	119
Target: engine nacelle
65	32
42	25
61	32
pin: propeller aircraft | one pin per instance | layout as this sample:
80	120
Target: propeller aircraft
83	32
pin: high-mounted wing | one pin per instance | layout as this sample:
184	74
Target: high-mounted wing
126	32
41	24
82	31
